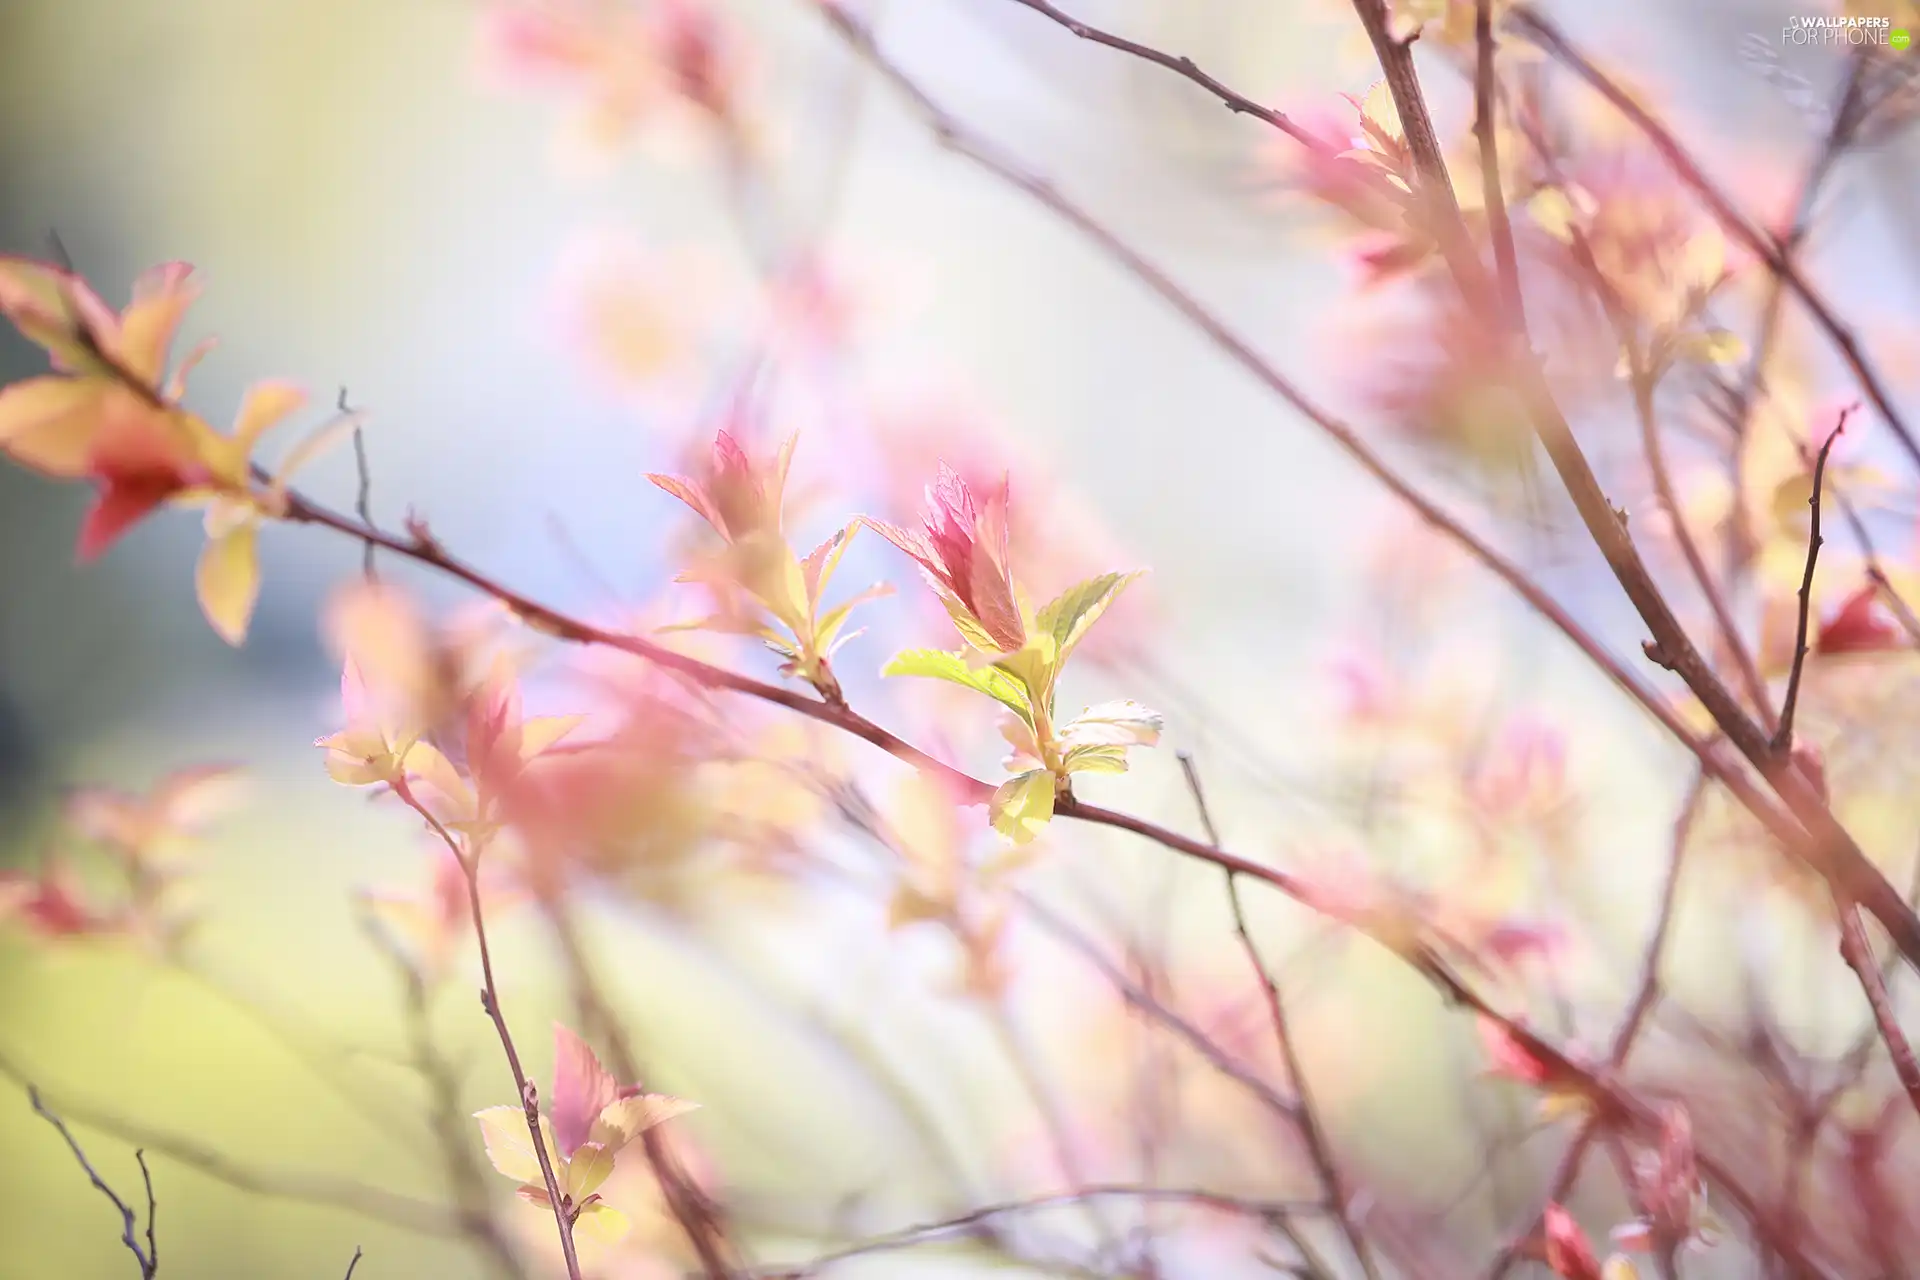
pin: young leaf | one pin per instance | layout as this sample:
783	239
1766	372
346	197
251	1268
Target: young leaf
509	1145
587	1168
227	582
1071	614
602	1222
1023	805
582	1088
1096	759
624	1120
954	668
1113	724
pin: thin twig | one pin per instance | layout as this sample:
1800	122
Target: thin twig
352	1263
490	1002
363	491
1646	995
1783	737
961	1224
381	1206
1827	847
1312	1131
698	1217
1859	957
149	1256
1486	128
451	1130
1548	37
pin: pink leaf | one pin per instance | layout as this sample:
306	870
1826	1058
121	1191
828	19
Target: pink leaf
582	1089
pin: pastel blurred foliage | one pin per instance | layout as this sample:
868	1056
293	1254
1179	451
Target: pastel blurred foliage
370	214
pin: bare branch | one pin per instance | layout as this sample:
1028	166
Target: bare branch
149	1256
490	1002
1551	40
1312	1129
1783	737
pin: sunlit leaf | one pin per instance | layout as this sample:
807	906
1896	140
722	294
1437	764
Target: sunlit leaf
1022	806
954	668
602	1222
227	582
510	1146
625	1119
1069	616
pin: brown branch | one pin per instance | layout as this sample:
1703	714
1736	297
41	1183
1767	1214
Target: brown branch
1847	116
1269	1211
1546	36
1783	737
451	1129
1486	128
490	1001
1811	834
353	1263
698	1217
1646	995
1306	1114
1826	848
381	1206
1237	103
149	1256
1859	957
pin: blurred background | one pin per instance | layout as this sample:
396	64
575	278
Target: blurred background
372	215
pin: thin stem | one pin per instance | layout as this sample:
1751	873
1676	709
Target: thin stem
451	1130
1783	737
1486	131
1306	1114
1859	957
695	1213
149	1256
490	1001
1545	35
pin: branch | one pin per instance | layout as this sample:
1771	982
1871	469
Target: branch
490	1001
148	1256
1783	738
1237	103
352	1263
1859	957
1312	1130
451	1130
1646	996
1545	35
382	1206
1811	834
1826	847
1486	129
973	1219
695	1212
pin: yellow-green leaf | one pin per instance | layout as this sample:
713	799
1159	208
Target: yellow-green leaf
1023	806
1098	759
1113	724
50	424
602	1222
623	1121
227	582
1069	616
936	664
510	1146
587	1169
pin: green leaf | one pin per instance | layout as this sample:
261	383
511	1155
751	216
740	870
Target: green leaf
936	664
1113	724
1023	805
1096	759
830	622
1069	616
